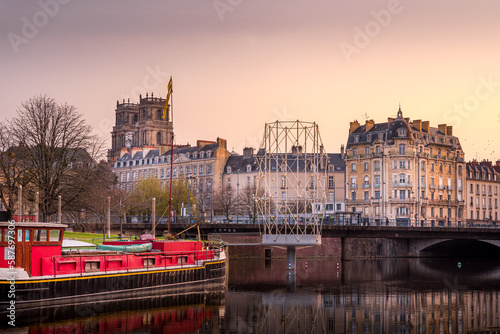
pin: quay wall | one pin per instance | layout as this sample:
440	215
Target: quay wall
246	245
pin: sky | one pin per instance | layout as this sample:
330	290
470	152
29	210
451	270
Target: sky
237	64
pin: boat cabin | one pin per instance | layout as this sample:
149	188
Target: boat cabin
31	242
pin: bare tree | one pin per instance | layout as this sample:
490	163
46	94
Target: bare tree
13	172
248	199
93	199
224	201
54	138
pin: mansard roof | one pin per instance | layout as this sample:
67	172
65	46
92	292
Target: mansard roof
388	131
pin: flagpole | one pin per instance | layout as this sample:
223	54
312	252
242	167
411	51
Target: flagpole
171	156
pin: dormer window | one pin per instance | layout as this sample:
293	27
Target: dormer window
356	139
401	132
208	154
156	160
201	155
380	136
195	155
249	168
369	138
228	169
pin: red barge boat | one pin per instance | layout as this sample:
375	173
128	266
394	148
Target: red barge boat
34	270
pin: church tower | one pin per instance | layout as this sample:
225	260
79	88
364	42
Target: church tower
140	124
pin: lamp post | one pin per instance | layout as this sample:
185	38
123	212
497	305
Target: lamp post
237	196
190	177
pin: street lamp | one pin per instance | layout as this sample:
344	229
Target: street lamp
237	196
189	177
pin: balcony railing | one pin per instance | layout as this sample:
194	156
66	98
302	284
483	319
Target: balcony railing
366	185
353	186
401	184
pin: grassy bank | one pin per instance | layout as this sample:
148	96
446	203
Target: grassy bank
86	237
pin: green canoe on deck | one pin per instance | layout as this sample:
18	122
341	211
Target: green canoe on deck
138	248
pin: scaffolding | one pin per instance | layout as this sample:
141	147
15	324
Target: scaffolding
292	181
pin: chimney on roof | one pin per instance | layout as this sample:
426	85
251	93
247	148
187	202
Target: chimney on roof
449	130
202	143
417	124
222	143
442	128
135	150
353	126
425	126
390	120
342	151
369	124
486	163
247	152
123	151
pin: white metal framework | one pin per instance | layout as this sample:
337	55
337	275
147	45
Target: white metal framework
292	183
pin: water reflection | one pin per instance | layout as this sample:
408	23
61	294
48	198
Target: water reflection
366	296
325	296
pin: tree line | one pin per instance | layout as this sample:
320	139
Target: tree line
50	150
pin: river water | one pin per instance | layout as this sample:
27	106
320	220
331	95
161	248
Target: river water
322	296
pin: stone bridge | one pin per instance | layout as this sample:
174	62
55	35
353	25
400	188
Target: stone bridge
370	241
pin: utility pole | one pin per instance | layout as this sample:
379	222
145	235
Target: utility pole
20	204
108	222
59	211
237	196
154	217
37	199
121	220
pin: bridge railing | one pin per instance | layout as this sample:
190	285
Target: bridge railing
444	223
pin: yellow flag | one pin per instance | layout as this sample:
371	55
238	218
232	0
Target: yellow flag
169	92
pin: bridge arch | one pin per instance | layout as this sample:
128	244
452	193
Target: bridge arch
456	248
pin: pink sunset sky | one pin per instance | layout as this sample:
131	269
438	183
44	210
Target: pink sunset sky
237	64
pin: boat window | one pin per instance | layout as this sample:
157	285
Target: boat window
27	235
54	235
19	235
92	266
149	262
182	260
9	234
40	235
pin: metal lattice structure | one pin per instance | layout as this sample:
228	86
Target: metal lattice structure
292	183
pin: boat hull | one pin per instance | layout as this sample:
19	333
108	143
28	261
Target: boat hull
38	292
